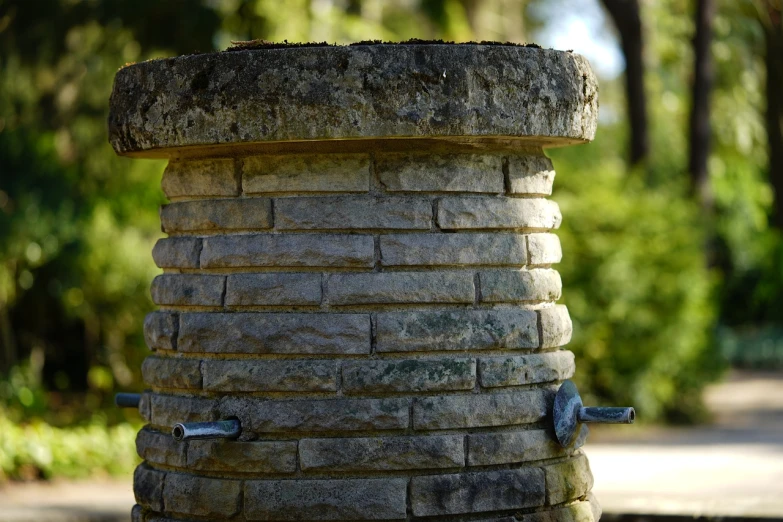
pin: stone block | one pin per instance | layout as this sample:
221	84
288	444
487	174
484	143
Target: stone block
160	330
409	375
329	499
145	406
148	487
160	448
177	252
248	375
186	494
556	326
352	213
382	453
399	287
306	173
168	410
515	286
518	370
456	213
171	372
188	290
440	172
568	480
273	289
243	457
311	415
137	513
294	333
512	447
208	215
433	495
199	178
453	249
544	249
288	250
475	411
456	330
577	512
528	174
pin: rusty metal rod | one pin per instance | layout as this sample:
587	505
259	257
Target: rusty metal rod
606	415
127	400
226	429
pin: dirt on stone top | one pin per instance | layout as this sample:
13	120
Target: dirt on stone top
285	44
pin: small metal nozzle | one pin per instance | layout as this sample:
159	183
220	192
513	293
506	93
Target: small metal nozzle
226	429
127	400
606	415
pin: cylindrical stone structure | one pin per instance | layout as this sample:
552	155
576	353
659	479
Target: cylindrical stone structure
358	268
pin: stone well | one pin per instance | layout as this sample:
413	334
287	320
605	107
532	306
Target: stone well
359	270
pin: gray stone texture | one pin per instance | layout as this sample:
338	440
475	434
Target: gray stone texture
243	375
200	178
453	249
477	492
330	499
382	453
484	410
409	375
456	213
273	289
177	252
352	213
518	370
514	286
170	372
188	290
456	330
512	447
294	333
148	487
201	496
306	173
568	480
288	250
168	410
584	511
217	214
556	326
544	249
269	456
400	287
528	174
160	448
440	173
160	330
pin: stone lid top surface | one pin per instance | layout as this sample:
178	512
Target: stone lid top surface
272	95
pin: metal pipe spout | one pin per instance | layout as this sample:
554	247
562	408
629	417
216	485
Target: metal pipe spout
606	415
225	429
127	400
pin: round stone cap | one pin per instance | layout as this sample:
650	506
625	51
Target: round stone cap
291	94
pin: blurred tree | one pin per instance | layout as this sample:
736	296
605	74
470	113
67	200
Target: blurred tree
772	20
700	129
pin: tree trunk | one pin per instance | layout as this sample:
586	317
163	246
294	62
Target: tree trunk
626	17
774	116
700	109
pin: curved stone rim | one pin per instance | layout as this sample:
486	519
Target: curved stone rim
383	91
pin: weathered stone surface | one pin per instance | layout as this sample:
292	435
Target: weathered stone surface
208	215
160	330
245	375
584	511
273	289
274	333
477	492
352	212
177	252
473	411
170	372
137	513
497	213
148	487
382	453
400	287
306	173
511	447
353	92
456	330
168	410
332	499
188	290
145	406
528	174
453	249
544	249
526	369
186	494
244	457
273	416
440	172
288	250
198	178
160	448
512	286
556	326
406	375
568	480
